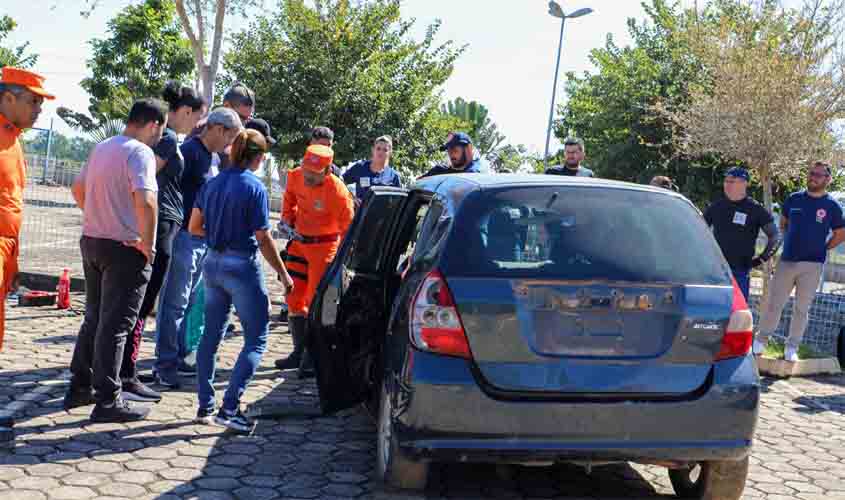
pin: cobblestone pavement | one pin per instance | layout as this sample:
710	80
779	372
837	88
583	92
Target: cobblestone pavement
799	453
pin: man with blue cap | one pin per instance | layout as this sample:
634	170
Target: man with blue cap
737	220
461	157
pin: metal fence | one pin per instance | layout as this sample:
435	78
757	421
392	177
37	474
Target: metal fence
53	224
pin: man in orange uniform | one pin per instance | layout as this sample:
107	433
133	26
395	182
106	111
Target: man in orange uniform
320	208
21	97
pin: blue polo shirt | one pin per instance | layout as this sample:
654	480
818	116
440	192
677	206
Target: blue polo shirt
197	164
234	206
364	178
810	222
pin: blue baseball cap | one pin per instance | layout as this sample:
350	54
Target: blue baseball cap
458	139
739	173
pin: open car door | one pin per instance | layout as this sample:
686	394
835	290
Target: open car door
348	317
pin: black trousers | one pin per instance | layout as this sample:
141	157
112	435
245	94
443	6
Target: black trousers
165	234
116	278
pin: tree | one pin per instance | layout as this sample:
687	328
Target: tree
144	49
200	37
484	132
349	66
14	56
774	87
61	146
610	109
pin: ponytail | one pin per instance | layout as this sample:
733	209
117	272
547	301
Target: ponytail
248	145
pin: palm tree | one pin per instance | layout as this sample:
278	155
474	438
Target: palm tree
485	134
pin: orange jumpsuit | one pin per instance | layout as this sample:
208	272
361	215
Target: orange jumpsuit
321	214
12	180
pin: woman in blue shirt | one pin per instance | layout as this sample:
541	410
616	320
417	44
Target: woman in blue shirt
232	213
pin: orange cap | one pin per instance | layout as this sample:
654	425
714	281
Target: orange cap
32	81
317	158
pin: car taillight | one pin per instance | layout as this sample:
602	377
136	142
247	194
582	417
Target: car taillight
739	335
435	324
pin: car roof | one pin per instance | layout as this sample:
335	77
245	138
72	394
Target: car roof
467	183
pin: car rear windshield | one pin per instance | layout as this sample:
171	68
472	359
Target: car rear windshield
582	234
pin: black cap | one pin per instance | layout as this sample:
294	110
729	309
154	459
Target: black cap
458	139
261	126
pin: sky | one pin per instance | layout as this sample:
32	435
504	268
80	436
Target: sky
508	65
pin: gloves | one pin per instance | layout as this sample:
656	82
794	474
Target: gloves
757	262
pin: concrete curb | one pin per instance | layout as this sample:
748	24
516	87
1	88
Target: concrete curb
801	368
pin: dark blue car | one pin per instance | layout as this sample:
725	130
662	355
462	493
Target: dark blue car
539	319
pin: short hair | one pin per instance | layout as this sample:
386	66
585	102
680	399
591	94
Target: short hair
318	133
177	95
664	182
147	110
574	141
823	164
239	94
385	139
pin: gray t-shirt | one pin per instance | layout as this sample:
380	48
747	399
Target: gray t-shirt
116	168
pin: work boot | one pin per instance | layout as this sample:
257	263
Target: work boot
306	366
296	326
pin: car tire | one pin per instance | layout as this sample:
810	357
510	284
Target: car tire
723	480
840	348
392	466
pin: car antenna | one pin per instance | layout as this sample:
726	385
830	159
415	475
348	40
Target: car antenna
552	200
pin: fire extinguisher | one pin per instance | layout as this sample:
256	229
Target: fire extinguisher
63	301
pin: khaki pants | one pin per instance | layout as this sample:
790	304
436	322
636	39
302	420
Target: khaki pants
804	277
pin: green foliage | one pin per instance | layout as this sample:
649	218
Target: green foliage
350	66
61	147
485	134
144	49
14	56
610	109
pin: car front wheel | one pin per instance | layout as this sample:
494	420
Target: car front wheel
724	480
393	467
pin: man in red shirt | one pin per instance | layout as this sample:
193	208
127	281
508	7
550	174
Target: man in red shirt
21	96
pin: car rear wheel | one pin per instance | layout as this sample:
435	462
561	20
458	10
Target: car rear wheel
393	467
840	351
723	480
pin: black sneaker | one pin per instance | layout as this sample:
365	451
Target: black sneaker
135	390
236	421
119	411
168	380
186	370
205	416
78	396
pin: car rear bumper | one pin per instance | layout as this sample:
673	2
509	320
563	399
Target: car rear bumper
443	414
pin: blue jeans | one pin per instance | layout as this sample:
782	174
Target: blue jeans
176	297
232	278
743	279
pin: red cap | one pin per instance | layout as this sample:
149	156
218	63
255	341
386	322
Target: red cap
317	158
31	81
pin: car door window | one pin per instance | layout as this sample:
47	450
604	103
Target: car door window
367	252
407	248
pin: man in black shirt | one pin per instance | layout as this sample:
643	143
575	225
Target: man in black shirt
737	220
573	154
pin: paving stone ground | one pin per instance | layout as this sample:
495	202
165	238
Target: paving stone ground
799	451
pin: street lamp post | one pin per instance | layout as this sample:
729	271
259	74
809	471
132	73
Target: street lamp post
556	11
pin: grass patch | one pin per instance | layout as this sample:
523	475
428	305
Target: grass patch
775	350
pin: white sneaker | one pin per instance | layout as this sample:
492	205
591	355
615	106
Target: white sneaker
759	348
791	354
